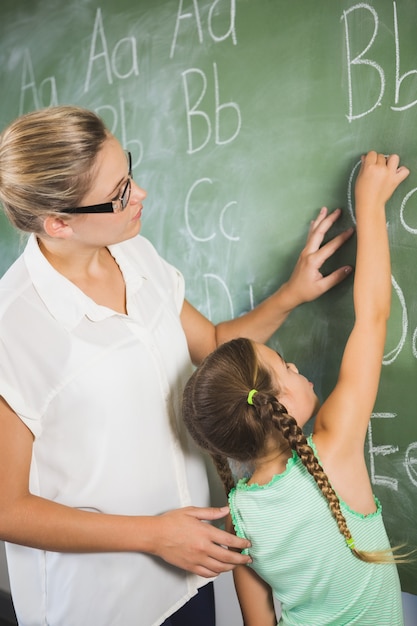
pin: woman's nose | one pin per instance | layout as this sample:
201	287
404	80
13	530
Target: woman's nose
138	193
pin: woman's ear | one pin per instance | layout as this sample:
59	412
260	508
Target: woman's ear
57	227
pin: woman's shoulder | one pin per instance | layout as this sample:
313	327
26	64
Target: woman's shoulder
13	282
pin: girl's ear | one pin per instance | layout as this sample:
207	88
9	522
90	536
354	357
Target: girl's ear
57	227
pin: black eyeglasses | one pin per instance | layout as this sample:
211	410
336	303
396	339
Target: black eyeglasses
114	206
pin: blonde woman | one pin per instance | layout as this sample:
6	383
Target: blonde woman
103	500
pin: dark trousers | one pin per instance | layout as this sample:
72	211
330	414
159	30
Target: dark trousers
198	611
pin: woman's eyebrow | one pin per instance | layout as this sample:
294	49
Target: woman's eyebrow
117	186
120	183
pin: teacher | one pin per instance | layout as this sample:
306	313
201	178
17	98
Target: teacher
103	497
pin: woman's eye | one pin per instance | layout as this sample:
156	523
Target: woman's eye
119	194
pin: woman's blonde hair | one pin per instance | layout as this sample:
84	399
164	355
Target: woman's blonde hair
46	162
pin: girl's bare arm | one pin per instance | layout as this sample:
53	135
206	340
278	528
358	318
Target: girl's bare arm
342	421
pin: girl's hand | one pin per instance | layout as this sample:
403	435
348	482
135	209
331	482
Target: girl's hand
378	178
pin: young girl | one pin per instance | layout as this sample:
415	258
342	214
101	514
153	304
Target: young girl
316	530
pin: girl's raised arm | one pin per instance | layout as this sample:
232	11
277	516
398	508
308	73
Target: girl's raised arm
342	421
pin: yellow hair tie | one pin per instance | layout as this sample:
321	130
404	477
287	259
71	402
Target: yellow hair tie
351	544
250	396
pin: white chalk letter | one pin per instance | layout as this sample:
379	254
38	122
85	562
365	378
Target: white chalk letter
183	16
221	282
129	44
398	79
28	82
360	60
384	481
392	354
98	32
48	85
232	106
232	30
223	213
408	228
192	111
411	462
187	210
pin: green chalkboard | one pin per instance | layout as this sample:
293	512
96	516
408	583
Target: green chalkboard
244	117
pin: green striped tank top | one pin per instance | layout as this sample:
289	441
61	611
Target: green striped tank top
298	550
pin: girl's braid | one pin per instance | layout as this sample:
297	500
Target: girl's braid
225	473
297	440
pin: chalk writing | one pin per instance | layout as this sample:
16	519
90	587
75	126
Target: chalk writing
191	232
220	281
414	344
116	122
181	16
392	355
29	85
187	211
192	111
222	216
398	79
361	60
407	227
410	462
124	50
384	450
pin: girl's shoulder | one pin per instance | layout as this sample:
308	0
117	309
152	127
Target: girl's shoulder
346	471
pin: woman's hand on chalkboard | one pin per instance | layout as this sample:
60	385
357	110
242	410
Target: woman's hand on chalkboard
185	539
307	282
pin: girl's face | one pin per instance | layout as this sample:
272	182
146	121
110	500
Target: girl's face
296	392
109	177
